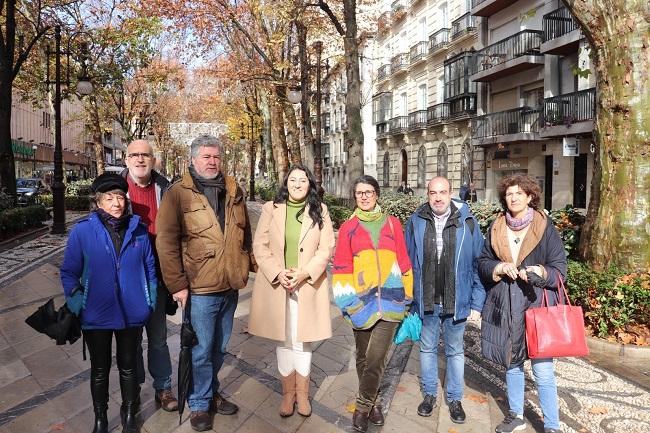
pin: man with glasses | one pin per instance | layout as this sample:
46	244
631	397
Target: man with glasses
444	241
146	189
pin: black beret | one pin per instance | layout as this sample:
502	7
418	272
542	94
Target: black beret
109	182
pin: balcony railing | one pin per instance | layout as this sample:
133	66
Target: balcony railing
417	120
526	42
558	23
399	63
463	107
399	125
438	113
382	130
570	108
515	121
383	72
418	52
462	25
438	40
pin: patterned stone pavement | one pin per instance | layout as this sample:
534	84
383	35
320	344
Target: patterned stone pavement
44	387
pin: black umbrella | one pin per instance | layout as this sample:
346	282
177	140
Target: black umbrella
188	341
62	325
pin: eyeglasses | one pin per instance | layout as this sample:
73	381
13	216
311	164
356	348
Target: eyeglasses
366	194
140	155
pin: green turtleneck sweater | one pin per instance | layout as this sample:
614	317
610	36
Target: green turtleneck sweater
292	229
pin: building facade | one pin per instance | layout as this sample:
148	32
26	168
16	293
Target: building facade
336	180
32	139
424	101
536	100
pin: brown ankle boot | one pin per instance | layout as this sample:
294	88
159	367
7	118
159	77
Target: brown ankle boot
302	395
288	394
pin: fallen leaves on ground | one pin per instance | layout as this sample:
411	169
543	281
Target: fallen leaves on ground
401	388
480	399
452	430
350	407
598	410
58	427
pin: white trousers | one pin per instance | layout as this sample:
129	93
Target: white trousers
293	355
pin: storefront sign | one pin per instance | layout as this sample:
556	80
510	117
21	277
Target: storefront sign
20	147
570	146
511	164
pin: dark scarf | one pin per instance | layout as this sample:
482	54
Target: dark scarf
116	227
214	190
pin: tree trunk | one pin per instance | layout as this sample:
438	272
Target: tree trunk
618	225
354	134
7	164
265	136
96	127
291	123
279	139
305	84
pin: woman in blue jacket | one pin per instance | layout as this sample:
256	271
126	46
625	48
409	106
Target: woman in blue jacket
109	279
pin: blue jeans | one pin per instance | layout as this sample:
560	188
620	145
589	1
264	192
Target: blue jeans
452	332
158	360
212	317
546	389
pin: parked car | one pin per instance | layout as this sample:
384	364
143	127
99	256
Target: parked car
28	189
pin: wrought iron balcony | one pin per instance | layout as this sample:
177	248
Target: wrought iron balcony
485	8
463	107
438	41
437	114
418	52
383	73
519	124
572	113
398	125
515	53
418	120
463	25
399	63
560	32
382	130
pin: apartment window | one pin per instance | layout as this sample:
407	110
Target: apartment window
442	160
403	103
423	29
440	89
46	120
382	108
422	167
444	16
386	169
466	164
422	97
534	98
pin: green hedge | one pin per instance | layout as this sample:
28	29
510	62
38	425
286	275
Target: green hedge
72	202
339	214
400	205
615	303
266	189
17	219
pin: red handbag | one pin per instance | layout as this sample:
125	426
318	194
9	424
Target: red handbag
556	331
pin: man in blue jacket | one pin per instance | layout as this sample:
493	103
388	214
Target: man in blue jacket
444	242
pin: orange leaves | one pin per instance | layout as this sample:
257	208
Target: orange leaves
598	410
480	399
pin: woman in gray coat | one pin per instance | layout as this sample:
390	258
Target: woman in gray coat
520	241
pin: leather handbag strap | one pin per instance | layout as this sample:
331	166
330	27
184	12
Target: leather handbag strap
562	294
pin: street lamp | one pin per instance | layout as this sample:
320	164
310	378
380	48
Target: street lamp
84	87
294	95
34	147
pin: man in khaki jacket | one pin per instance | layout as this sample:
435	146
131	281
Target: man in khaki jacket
204	248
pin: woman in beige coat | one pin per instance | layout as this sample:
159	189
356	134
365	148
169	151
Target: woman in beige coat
292	246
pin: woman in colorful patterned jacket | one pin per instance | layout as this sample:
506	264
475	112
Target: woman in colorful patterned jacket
373	286
109	279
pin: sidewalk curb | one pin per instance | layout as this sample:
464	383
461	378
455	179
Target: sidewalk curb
626	351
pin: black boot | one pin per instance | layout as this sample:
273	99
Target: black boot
128	414
101	420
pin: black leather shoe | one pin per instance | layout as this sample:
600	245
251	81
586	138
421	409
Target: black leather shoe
456	412
223	406
200	421
360	420
128	413
376	416
426	407
101	420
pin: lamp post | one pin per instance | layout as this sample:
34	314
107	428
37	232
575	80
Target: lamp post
34	147
84	87
251	150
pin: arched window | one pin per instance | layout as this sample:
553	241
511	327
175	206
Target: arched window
386	169
466	164
442	160
422	167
